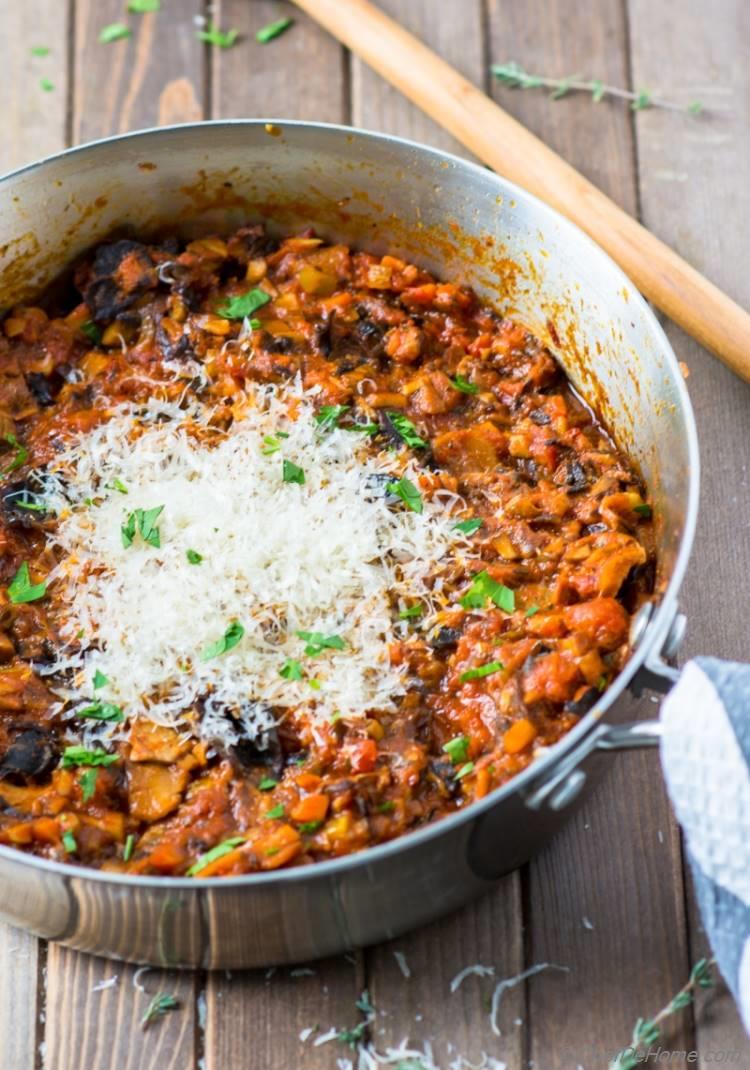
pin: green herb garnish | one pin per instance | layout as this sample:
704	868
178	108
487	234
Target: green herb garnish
160	1005
386	807
317	642
267	783
99	680
481	671
465	770
642	510
117	484
101	711
127	851
39	50
468	527
292	473
193	557
532	610
229	639
457	749
32	507
143	7
237	308
69	842
483	587
73	756
21	589
222	39
143	521
272	30
406	430
92	331
87	781
365	429
218	851
310	826
46	85
116	31
275	813
291	670
408	493
272	443
411	613
21	457
459	383
327	417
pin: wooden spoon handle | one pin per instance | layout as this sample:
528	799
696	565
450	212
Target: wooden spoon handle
681	292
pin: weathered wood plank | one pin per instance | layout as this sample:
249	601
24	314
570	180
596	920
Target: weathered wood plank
254	1019
33	118
694	173
422	1007
455	32
33	122
632	894
101	1027
300	75
155	77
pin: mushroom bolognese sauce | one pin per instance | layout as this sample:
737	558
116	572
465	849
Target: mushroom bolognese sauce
301	549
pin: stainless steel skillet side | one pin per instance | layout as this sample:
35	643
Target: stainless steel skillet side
464	223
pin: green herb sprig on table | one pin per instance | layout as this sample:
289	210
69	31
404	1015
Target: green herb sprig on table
647	1031
515	77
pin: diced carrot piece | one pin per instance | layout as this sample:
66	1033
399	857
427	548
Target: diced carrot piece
311	808
363	756
519	736
308	781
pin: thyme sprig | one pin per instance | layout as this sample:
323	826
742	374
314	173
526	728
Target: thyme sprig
515	77
647	1031
161	1004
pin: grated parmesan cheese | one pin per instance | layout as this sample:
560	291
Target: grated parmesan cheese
328	556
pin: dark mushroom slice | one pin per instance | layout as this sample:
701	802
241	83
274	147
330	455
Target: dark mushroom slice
32	755
121	273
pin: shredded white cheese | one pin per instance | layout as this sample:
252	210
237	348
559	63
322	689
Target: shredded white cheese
329	556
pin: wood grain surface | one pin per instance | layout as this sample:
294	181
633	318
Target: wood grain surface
608	898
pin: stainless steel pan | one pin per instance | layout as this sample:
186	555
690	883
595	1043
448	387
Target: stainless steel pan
464	223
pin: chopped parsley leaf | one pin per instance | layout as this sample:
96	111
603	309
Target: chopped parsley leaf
272	30
411	613
292	473
228	641
69	842
73	756
406	430
87	782
468	527
39	50
317	642
291	670
483	587
327	417
21	589
216	852
272	443
46	85
143	521
142	7
366	429
481	671
21	457
532	610
642	510
315	684
101	711
408	493
465	770
459	383
457	749
116	31
92	331
117	484
193	557
267	783
386	807
275	813
99	679
127	851
32	507
236	308
310	826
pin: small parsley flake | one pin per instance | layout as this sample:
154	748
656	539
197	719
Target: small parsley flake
408	493
468	527
273	30
228	641
292	473
237	308
481	671
116	31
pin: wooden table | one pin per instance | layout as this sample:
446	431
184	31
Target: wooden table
610	898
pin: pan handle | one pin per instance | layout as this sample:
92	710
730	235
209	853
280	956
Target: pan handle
560	788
